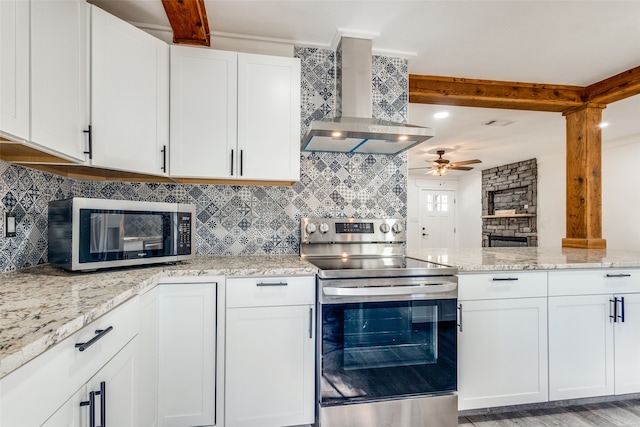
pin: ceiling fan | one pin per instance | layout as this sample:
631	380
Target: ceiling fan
441	166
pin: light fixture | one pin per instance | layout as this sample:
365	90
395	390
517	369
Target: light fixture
441	115
439	170
603	125
403	138
336	134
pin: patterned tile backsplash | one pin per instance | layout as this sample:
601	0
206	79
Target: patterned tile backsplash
234	220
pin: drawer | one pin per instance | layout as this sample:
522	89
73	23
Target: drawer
48	381
504	284
270	291
593	282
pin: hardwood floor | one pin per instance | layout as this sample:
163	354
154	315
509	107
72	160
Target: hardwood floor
607	414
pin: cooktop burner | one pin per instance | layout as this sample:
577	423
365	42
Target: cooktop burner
398	266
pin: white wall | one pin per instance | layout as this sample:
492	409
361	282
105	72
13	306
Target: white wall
469	210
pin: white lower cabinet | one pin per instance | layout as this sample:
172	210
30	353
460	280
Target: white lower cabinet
270	352
49	389
502	339
187	354
594	325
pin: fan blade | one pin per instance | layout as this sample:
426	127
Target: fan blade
424	167
466	162
461	168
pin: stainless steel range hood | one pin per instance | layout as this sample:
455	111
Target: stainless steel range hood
354	130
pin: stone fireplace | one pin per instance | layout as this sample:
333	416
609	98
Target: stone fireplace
509	205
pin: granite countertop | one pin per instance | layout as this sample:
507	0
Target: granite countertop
41	306
546	258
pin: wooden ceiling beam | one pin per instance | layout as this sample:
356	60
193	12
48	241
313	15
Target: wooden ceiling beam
615	88
188	19
493	94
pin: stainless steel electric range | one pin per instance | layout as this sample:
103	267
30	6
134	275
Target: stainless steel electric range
387	327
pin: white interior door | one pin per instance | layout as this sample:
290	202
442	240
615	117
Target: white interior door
437	218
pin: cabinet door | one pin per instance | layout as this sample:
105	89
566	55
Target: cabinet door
187	360
203	112
119	379
14	68
269	366
71	414
129	96
269	117
148	361
627	349
59	69
502	353
580	347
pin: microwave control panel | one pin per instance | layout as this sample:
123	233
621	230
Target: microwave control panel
184	233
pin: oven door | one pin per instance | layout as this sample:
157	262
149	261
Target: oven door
380	350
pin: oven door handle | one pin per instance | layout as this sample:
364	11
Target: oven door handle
389	290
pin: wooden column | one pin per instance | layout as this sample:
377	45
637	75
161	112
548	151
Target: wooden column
584	183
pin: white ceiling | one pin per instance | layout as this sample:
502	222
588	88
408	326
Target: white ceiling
570	42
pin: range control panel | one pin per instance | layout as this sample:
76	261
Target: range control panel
352	230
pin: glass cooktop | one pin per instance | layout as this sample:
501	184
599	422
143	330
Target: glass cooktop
396	266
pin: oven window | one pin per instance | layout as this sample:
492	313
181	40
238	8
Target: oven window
382	350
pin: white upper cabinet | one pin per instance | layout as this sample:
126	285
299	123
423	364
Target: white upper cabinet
203	112
43	75
14	68
234	115
269	117
59	71
129	96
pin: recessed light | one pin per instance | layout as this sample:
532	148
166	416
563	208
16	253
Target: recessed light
336	134
403	138
441	115
603	125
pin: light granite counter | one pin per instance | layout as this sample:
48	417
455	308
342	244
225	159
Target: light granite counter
43	305
547	258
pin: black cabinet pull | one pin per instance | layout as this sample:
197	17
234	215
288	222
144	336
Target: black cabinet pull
504	279
231	162
272	284
310	322
241	165
621	317
164	158
90	134
460	311
613	302
99	334
103	404
618	275
92	408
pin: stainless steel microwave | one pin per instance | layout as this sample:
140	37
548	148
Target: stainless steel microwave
88	234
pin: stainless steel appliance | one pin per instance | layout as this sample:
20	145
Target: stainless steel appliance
387	346
87	234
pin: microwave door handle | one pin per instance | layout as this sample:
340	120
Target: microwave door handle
388	290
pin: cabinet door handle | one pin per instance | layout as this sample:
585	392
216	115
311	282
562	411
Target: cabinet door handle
310	322
82	346
164	158
89	134
241	165
271	284
231	162
618	275
621	316
460	317
504	279
103	404
613	313
92	408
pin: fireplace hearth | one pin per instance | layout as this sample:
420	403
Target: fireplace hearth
508	242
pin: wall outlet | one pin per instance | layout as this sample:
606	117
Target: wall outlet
526	206
9	224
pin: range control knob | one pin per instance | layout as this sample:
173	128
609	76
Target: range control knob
397	228
384	227
324	227
310	228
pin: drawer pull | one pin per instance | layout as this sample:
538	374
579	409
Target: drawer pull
618	275
272	284
99	334
504	279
